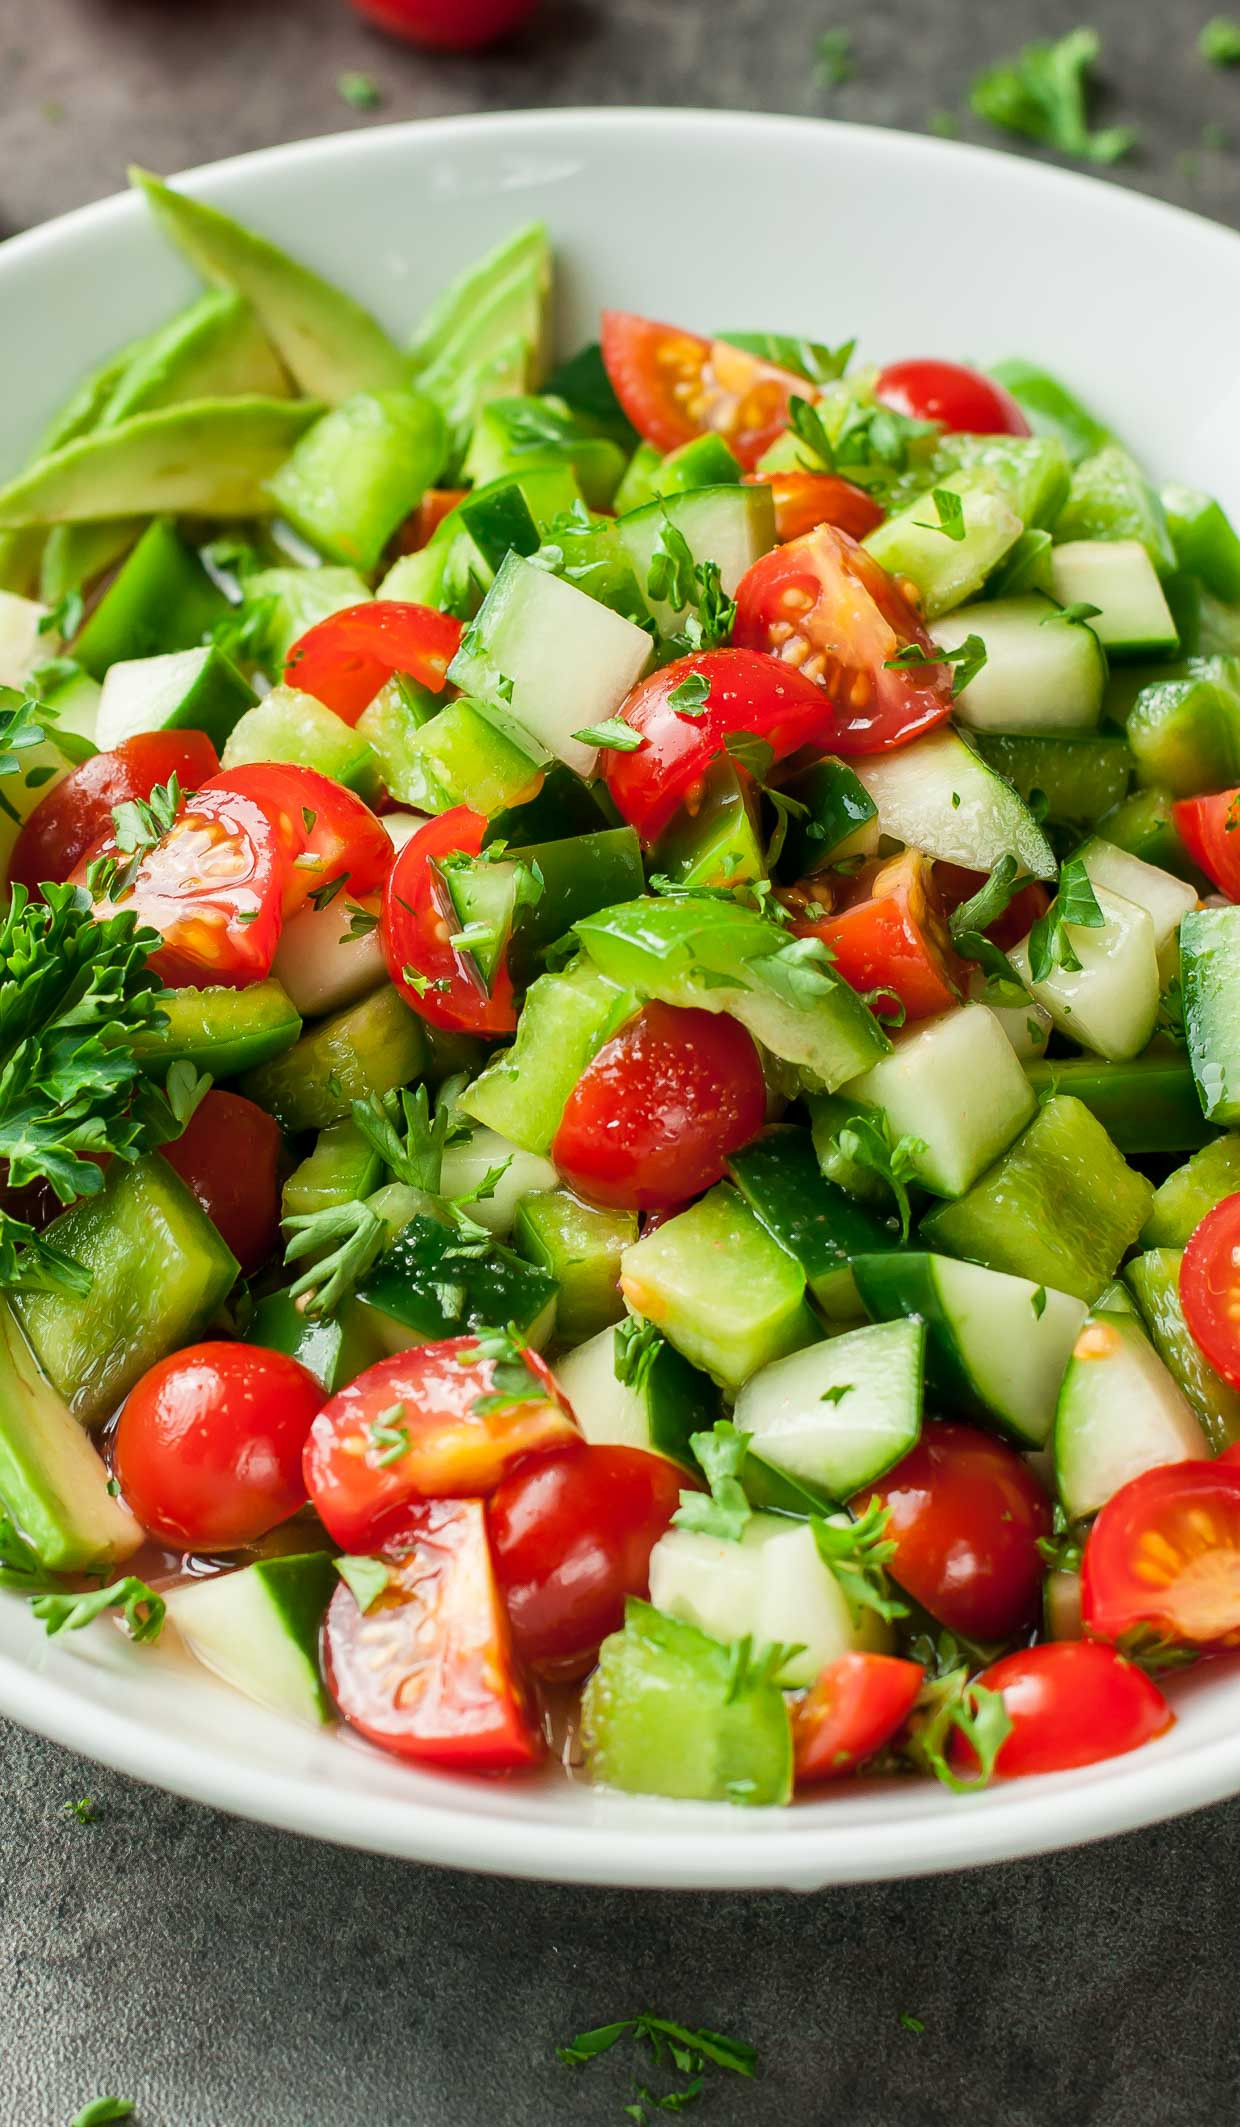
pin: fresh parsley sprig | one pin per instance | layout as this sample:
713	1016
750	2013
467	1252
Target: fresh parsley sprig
514	1380
965	661
969	922
344	1241
1043	92
636	1346
724	1511
949	510
857	1553
672	2047
693	589
143	1610
867	1142
23	724
1075	906
948	1705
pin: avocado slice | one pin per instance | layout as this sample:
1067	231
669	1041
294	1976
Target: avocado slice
465	314
330	345
21	551
215	349
53	1484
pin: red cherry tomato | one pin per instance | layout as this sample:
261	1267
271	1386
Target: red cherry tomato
652	1120
1210	831
418	530
962	399
804	500
890	934
77	811
674	385
427	1671
1210	1288
1163	1557
325	831
572	1536
344	660
825	608
966	1515
209	1444
857	1704
410	1429
229	1155
418	923
1070	1703
956	884
1230	1456
748	692
447	25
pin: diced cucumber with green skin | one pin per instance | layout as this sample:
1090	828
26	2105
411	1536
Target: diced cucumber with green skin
1210	981
1185	732
1204	539
498	521
829	1113
731	526
1119	1414
428	1285
520	263
300	599
1079	777
841	819
460	756
955	1084
1027	1027
343	1168
1144	826
840	1414
1154	1279
454	559
593	556
562	806
730	1740
1109	1003
938	796
1041	674
1060	1207
660	1410
185	690
258	1629
913	546
720	842
551	657
1117	576
163	599
580	1245
580	875
720	1288
74	555
772	1585
1166	899
483	894
1033	472
320	962
816	1221
1191	1192
997	1345
287	726
334	1348
159	1270
327	341
205	458
566	1019
1051	408
53	1484
374	1047
1147	1105
355	476
1111	500
705	461
637	487
512	432
710	954
221	1031
467	1164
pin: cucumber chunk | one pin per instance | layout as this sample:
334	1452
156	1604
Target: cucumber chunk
515	1175
580	875
581	1246
722	1291
322	964
1191	1192
731	526
1080	777
1204	539
458	756
841	819
772	1586
955	1084
818	1223
720	843
938	796
1117	576
259	1630
162	599
1119	1413
298	599
658	1404
1154	1280
912	544
429	1285
53	1484
287	726
185	690
354	477
1110	501
374	1047
1210	975
221	1031
1144	826
1041	673
334	1348
840	1414
1184	731
1166	899
1147	1105
342	1169
565	1021
1109	1003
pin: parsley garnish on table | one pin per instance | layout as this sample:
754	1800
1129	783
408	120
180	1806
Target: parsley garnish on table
673	2048
1042	93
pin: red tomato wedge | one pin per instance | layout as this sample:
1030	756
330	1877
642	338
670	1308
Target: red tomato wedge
447	25
857	1704
890	934
826	610
1209	828
804	500
229	1154
747	692
1163	1558
410	1429
962	399
78	810
1071	1703
675	385
652	1120
1210	1288
417	927
344	660
427	1671
325	831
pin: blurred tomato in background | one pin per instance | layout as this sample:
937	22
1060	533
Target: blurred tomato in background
450	25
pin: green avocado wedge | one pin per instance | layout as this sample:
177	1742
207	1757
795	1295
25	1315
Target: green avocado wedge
207	458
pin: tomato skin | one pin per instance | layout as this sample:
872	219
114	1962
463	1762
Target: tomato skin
417	921
344	840
966	1515
229	1155
362	1492
1210	1288
966	402
675	385
857	1704
70	819
956	883
805	500
419	529
344	660
822	605
890	934
748	692
572	1535
428	1672
447	25
1163	1557
1210	841
1071	1703
209	1444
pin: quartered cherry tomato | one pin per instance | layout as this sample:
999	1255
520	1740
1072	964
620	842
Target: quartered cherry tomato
325	831
410	1429
229	1155
887	932
652	1120
447	25
824	608
1070	1703
674	385
1163	1558
1210	1288
427	1670
1209	828
962	399
78	810
803	500
344	660
419	921
857	1704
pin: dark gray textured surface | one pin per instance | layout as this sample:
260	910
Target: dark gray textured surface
225	1976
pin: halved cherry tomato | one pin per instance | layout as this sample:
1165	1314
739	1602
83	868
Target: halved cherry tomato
652	1120
962	399
674	385
1210	1288
418	923
956	883
427	1671
208	1447
825	608
748	692
888	933
78	810
1163	1557
325	831
344	660
447	25
966	1516
409	1429
803	500
1209	828
857	1704
418	530
1230	1456
1070	1703
572	1535
229	1155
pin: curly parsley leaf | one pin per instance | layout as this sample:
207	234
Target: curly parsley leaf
514	1379
140	823
857	1553
867	1142
1219	42
636	1346
366	1579
1075	907
951	1704
974	917
720	1455
143	1609
23	724
1042	93
408	1138
833	58
345	1241
800	971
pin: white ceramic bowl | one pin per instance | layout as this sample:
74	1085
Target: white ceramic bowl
918	247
